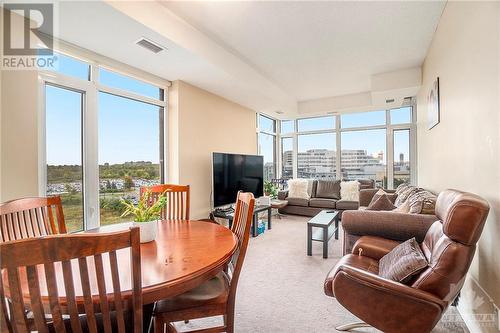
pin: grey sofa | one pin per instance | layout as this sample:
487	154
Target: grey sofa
386	224
324	194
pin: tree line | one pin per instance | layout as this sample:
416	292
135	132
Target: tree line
72	173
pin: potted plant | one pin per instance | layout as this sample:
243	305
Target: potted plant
270	190
146	215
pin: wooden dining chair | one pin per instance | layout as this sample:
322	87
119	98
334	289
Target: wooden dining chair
31	217
216	296
26	262
177	207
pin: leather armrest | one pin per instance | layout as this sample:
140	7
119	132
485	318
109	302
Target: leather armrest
387	224
282	195
374	247
387	305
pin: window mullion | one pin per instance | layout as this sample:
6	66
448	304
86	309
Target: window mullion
90	155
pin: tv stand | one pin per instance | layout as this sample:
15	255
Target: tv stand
229	215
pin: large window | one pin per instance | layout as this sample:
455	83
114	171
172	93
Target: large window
104	135
364	155
129	152
367	145
287	158
315	124
63	121
316	155
267	145
401	157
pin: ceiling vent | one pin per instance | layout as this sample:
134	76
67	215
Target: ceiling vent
407	101
391	100
149	45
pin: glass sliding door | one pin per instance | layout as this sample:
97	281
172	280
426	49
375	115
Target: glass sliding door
129	152
63	128
401	157
363	155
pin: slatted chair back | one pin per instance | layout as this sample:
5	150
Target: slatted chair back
177	207
29	259
242	222
31	217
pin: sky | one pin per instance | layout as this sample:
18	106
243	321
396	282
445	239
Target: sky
128	130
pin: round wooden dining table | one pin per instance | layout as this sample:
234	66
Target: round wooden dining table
183	256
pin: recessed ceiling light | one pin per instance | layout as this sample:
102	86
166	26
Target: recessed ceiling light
150	45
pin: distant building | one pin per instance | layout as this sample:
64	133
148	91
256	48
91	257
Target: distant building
269	171
321	163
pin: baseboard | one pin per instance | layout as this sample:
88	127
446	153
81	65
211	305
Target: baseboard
477	308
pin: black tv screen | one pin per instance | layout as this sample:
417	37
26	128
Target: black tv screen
235	172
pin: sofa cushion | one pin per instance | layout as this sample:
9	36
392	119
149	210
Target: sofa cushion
311	187
347	204
322	203
405	193
298	202
329	189
381	202
422	202
297	188
349	190
404	261
401	187
391	196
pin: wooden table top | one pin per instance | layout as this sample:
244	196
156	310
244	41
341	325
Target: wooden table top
184	255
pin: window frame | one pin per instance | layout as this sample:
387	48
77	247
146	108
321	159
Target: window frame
338	130
90	122
277	128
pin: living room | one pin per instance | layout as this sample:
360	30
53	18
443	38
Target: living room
324	103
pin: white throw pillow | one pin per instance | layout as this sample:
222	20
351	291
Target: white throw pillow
297	188
349	190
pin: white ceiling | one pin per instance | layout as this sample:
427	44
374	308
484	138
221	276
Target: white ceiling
265	55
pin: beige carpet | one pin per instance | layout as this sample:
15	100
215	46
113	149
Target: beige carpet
281	288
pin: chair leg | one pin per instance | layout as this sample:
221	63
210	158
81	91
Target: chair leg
159	325
351	326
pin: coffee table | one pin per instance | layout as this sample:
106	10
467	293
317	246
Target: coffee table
323	222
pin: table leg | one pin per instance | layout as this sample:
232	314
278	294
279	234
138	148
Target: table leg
337	227
269	218
309	240
325	242
254	225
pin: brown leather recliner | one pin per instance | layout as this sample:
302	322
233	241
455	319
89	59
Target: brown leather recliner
390	306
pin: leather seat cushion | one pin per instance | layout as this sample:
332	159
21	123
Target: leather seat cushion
365	263
347	205
213	291
298	202
322	203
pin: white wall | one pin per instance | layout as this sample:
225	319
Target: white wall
201	123
463	150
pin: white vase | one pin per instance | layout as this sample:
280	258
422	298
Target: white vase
147	230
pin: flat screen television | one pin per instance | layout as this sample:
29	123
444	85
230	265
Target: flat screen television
236	172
